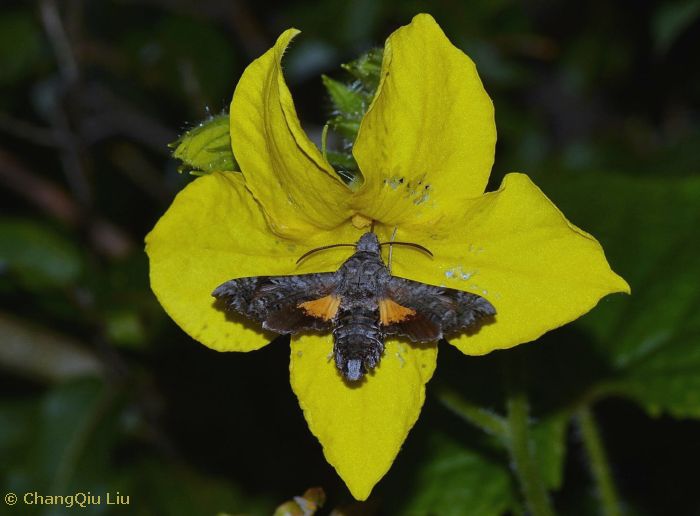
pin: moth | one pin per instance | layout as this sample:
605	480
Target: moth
360	304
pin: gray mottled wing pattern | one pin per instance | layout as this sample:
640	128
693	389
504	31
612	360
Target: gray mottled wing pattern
439	310
274	300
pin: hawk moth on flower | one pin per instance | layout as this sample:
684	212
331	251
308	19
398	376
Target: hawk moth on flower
360	304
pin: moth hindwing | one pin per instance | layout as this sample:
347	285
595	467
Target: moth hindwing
360	304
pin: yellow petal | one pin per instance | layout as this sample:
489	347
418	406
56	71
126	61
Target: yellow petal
213	232
360	427
516	249
282	167
427	141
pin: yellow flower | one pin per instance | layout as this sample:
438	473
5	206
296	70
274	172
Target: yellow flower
425	149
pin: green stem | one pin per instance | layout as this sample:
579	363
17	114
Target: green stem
484	419
599	464
324	139
523	459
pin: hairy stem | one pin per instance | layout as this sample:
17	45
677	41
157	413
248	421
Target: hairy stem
523	459
482	418
598	462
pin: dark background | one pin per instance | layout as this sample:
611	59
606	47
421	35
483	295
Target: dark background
100	391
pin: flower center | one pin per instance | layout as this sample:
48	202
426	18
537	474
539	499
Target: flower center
360	221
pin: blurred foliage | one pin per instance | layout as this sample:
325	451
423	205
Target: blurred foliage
24	246
19	30
186	58
101	392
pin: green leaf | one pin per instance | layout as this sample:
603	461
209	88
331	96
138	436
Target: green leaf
367	68
207	147
347	128
37	255
668	380
648	227
453	478
346	98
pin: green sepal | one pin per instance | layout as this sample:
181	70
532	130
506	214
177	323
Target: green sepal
206	148
341	161
344	127
350	100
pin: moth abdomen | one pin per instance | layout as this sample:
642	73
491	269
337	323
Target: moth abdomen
358	342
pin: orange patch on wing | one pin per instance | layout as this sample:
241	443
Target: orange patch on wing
392	312
324	308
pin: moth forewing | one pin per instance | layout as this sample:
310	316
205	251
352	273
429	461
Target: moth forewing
277	302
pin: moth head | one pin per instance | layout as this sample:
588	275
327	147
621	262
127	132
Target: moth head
368	243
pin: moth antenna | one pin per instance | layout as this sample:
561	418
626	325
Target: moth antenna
322	249
411	244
